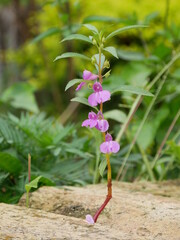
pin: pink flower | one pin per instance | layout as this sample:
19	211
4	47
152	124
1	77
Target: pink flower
109	146
99	95
89	219
96	121
88	76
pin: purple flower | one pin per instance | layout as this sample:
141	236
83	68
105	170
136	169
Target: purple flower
109	146
80	86
99	95
97	121
88	76
89	219
91	121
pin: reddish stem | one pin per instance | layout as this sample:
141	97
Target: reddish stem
108	198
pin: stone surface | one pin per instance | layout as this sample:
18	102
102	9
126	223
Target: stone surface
137	211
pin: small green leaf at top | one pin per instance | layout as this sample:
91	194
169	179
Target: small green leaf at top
112	51
72	83
132	89
91	27
72	54
77	37
123	29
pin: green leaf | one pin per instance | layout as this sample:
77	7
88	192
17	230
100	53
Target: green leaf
34	183
9	163
94	18
21	95
117	115
3	176
120	30
91	27
102	167
97	60
132	89
48	33
83	101
72	54
82	154
130	56
112	51
72	83
77	37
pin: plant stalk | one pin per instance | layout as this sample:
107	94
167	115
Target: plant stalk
109	184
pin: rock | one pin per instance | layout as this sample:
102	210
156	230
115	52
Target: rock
134	213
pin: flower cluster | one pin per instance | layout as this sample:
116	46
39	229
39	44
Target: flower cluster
99	96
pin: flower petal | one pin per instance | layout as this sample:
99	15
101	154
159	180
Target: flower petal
114	146
87	75
109	147
97	87
89	219
89	123
80	86
92	100
104	96
104	147
108	137
92	116
102	125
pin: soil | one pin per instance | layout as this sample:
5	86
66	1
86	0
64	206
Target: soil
137	211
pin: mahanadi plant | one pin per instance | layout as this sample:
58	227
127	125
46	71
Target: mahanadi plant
98	95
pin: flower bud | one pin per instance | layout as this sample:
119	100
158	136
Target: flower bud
103	40
106	64
101	45
93	60
106	75
94	42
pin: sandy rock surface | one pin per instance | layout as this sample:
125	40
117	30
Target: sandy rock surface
137	211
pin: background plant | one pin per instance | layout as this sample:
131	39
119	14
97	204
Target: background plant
142	57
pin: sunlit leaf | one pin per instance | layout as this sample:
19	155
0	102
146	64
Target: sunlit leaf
71	55
91	27
112	51
132	89
72	83
123	29
77	37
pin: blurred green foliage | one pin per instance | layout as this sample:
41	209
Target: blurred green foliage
68	154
